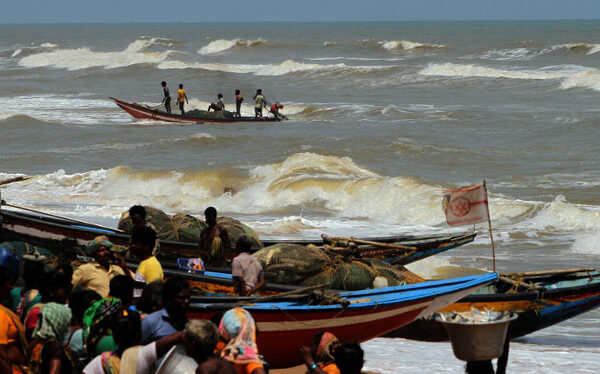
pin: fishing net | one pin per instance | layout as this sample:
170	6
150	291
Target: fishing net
395	274
291	263
221	114
235	229
179	228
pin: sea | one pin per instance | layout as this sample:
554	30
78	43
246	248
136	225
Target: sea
383	117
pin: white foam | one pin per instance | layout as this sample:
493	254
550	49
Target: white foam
407	45
286	67
470	70
48	45
220	45
585	79
83	58
562	215
16	52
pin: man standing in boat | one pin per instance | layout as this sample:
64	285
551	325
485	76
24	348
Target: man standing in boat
214	240
238	104
167	97
181	96
259	103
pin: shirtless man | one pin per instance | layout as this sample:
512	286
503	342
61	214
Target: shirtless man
167	97
220	105
214	240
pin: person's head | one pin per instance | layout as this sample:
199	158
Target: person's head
66	269
259	91
99	249
142	241
349	358
200	339
210	215
6	282
180	85
56	287
127	329
33	272
323	346
121	286
176	295
243	244
53	323
163	83
137	213
237	92
238	329
10	261
80	301
220	96
151	299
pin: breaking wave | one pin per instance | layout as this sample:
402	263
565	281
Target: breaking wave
220	45
286	67
571	76
84	58
304	183
579	47
407	45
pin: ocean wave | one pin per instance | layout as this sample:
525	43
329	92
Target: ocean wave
84	58
327	186
407	45
16	52
578	47
48	45
470	70
286	67
586	79
220	45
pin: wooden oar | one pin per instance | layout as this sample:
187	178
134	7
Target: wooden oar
65	218
549	272
15	179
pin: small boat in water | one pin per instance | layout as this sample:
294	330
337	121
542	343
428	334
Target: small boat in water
196	116
541	299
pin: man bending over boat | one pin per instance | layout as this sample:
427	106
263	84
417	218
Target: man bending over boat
137	214
214	240
246	270
167	98
220	105
181	96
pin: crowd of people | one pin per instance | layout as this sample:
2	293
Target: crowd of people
104	318
260	102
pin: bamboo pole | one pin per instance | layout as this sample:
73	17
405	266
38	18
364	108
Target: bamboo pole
376	244
65	218
487	207
549	272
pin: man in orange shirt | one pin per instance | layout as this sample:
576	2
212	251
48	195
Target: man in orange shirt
181	96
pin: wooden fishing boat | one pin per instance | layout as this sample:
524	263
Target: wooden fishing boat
50	232
284	326
541	299
145	112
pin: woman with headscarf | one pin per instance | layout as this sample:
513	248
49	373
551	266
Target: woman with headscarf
131	357
319	358
239	330
96	276
47	354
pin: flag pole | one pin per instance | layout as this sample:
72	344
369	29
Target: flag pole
487	206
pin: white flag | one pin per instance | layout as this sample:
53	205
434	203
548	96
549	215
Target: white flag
466	205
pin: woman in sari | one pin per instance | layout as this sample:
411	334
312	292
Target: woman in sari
47	353
13	345
239	330
97	326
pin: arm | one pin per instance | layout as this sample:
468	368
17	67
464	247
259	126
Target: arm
309	361
164	344
121	263
260	284
55	366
